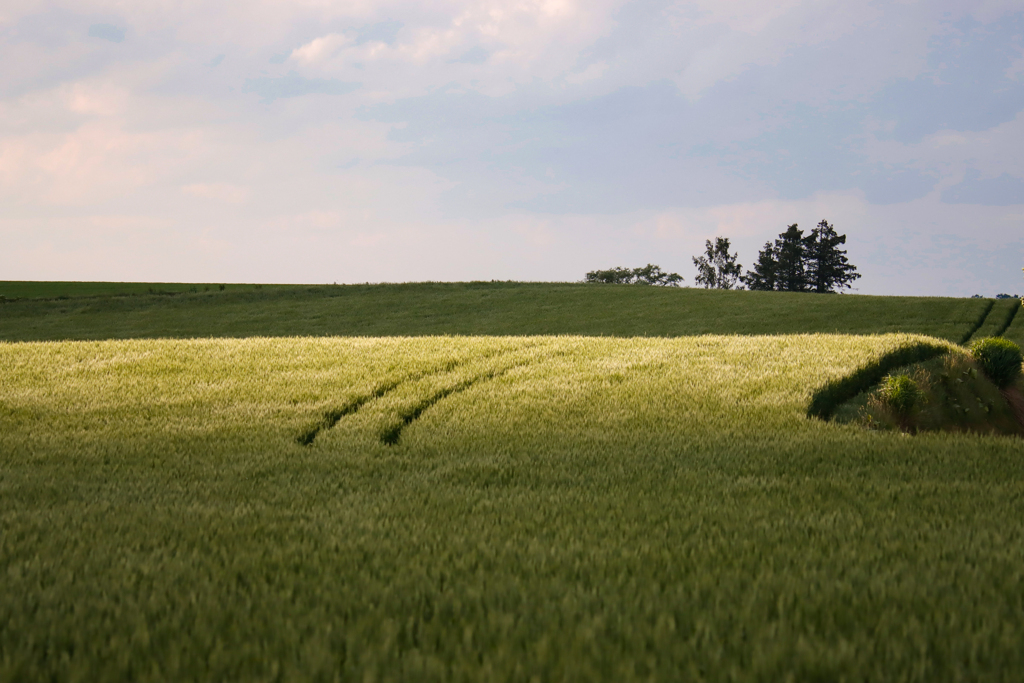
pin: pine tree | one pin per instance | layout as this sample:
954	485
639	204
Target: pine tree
795	263
790	271
717	269
762	277
828	269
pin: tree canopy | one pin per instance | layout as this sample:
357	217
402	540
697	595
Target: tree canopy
762	277
791	268
828	269
717	268
648	275
795	263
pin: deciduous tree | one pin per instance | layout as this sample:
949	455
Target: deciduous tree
612	276
717	268
654	275
648	275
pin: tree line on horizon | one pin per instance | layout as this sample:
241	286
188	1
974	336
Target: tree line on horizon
794	262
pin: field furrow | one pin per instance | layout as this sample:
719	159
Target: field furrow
997	320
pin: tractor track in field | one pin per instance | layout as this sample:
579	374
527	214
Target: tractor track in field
390	435
334	416
1009	320
977	325
990	322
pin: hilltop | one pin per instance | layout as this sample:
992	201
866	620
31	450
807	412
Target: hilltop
83	311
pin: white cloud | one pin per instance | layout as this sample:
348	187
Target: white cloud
138	160
319	49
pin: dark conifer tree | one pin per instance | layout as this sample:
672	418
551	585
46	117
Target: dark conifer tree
795	263
790	250
762	277
828	269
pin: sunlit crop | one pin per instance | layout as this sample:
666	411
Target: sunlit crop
499	508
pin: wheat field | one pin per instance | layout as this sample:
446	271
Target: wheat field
491	509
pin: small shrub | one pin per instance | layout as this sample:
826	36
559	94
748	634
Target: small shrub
1000	359
900	394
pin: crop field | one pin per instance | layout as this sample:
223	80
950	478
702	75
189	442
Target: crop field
1015	331
446	508
999	318
82	311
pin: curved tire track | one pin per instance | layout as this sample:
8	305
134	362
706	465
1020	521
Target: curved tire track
391	435
977	325
332	417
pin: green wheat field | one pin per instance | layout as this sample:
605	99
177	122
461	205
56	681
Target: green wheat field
490	482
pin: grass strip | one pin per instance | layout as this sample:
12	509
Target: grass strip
492	309
13	290
828	398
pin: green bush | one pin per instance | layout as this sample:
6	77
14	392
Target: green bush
1000	359
900	394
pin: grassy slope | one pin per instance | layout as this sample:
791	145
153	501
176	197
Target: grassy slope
22	289
957	397
1015	331
481	309
605	509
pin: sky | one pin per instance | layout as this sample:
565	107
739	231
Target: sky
313	141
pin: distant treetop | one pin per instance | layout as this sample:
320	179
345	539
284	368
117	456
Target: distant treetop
648	275
717	268
795	263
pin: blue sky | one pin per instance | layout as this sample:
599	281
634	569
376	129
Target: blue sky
536	140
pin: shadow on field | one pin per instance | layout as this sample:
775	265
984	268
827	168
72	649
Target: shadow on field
828	398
